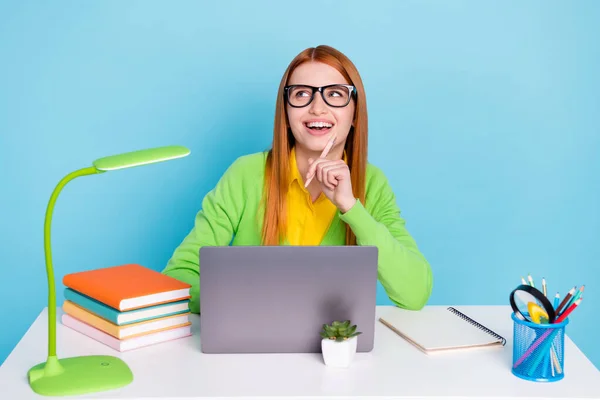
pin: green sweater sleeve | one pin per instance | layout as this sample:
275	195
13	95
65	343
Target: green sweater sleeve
214	225
403	271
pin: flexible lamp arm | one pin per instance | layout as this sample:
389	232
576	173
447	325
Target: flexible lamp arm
48	254
101	165
86	374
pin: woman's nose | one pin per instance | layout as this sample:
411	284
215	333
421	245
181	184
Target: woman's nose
318	106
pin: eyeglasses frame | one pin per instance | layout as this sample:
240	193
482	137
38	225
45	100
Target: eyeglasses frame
321	90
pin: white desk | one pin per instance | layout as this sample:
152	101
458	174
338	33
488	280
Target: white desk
394	370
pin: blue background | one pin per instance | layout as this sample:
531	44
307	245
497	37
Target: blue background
482	114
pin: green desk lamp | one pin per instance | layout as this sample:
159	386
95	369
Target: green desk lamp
86	374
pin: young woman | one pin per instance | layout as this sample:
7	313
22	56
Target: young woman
262	200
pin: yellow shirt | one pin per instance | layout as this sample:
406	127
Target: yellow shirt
307	222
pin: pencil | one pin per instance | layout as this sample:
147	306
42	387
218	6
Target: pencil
323	155
556	364
568	311
530	280
544	286
556	298
544	335
523	281
579	292
575	297
567	297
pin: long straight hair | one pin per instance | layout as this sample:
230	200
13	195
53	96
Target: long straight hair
278	162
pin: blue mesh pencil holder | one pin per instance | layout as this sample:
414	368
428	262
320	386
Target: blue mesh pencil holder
538	350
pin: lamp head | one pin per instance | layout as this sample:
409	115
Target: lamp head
140	157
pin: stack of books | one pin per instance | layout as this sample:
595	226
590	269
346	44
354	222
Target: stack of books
127	306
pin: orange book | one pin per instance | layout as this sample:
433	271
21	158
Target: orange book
128	287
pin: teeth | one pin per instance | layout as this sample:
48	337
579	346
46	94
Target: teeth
319	125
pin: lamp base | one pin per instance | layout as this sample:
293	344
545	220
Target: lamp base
79	375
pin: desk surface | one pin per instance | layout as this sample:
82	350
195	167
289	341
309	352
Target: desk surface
393	370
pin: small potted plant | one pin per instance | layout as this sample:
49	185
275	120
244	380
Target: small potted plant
339	343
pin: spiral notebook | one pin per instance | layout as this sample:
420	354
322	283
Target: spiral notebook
434	329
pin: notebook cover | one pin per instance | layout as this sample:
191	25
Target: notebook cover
115	316
433	329
111	285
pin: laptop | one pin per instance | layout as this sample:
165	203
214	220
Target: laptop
275	299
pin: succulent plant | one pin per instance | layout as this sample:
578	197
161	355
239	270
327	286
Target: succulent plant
339	331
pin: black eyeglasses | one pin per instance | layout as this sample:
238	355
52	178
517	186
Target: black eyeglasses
336	95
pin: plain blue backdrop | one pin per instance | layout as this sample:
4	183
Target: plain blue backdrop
483	115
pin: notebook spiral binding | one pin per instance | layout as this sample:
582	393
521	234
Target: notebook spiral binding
477	324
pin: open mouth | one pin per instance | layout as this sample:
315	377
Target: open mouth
318	128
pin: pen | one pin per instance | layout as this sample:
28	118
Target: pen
323	155
544	286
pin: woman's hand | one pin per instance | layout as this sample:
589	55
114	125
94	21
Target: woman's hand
334	178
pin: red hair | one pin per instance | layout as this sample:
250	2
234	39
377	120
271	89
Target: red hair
278	163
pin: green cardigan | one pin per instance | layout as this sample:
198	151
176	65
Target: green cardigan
232	211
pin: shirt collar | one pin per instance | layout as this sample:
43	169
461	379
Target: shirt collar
294	173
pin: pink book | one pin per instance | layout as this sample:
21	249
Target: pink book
126	344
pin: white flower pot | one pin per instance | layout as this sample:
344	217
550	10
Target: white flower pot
338	354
